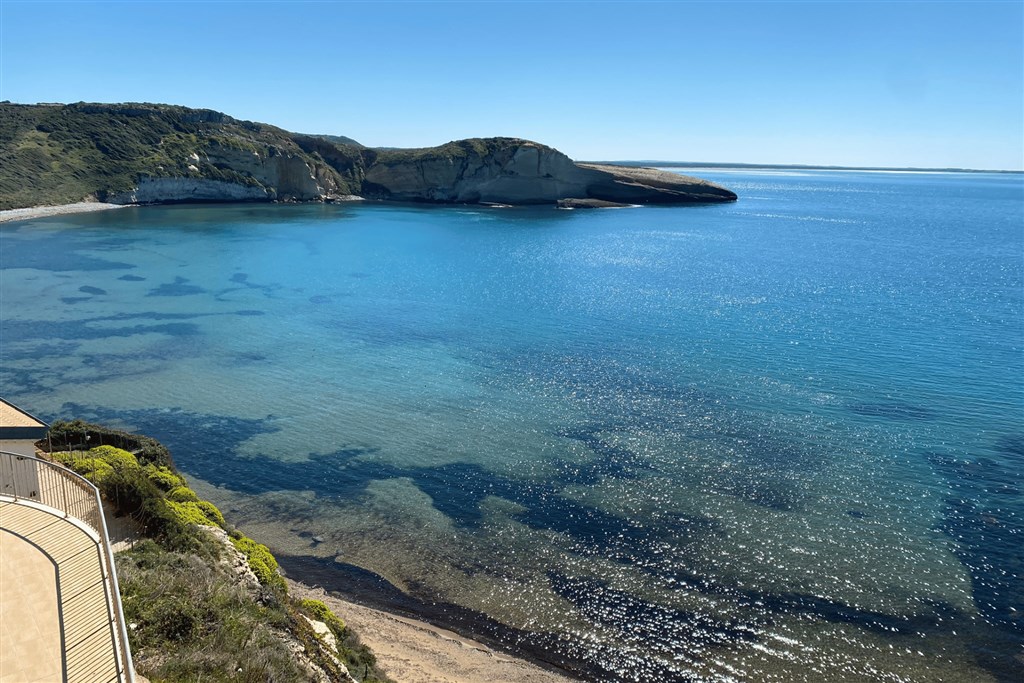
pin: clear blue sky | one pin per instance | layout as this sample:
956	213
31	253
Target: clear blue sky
854	83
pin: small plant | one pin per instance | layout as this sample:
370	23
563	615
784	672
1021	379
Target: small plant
321	612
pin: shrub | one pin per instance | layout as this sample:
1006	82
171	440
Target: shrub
95	470
318	610
162	476
193	622
188	512
135	495
211	512
115	457
261	561
182	494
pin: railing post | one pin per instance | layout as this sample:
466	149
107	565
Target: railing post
14	478
64	494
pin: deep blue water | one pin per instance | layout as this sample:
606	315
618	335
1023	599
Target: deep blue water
776	440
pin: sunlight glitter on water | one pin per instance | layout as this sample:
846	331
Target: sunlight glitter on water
718	443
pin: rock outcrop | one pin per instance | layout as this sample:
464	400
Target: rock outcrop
283	175
632	185
574	203
514	171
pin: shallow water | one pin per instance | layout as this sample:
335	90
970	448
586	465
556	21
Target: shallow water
781	439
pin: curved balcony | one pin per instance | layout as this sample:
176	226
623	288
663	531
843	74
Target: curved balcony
60	607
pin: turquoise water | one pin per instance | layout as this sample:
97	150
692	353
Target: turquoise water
776	440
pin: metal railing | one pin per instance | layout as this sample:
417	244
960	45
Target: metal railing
27	478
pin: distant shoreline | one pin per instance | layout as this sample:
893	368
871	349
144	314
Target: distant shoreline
28	213
795	167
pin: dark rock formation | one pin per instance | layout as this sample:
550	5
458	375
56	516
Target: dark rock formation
574	203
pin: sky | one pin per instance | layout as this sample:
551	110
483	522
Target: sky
923	84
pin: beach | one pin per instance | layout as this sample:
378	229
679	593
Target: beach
417	652
31	212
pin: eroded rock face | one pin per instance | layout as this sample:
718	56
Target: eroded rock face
500	170
493	170
160	190
513	171
285	176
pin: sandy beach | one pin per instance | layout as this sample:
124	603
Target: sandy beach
31	212
413	651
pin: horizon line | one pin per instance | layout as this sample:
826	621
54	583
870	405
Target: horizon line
821	167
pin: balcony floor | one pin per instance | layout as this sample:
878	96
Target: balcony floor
54	618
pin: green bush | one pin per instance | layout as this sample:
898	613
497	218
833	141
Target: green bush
182	494
115	457
211	512
194	622
189	512
93	469
162	476
135	495
321	612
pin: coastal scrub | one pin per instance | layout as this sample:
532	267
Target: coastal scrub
190	618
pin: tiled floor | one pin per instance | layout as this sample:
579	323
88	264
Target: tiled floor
54	619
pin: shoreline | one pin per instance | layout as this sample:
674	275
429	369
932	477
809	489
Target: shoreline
415	651
32	212
363	592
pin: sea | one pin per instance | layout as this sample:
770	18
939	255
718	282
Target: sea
780	439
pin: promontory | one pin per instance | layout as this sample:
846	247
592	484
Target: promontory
154	153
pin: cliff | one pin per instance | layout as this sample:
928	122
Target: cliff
147	153
514	171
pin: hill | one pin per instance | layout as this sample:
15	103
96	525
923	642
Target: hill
139	153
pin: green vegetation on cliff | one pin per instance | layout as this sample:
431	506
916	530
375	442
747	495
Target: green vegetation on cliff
57	154
192	615
450	151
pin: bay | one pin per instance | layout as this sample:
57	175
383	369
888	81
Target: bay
775	440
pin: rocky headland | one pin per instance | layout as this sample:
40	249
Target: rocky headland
148	153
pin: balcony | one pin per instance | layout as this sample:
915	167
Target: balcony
60	608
